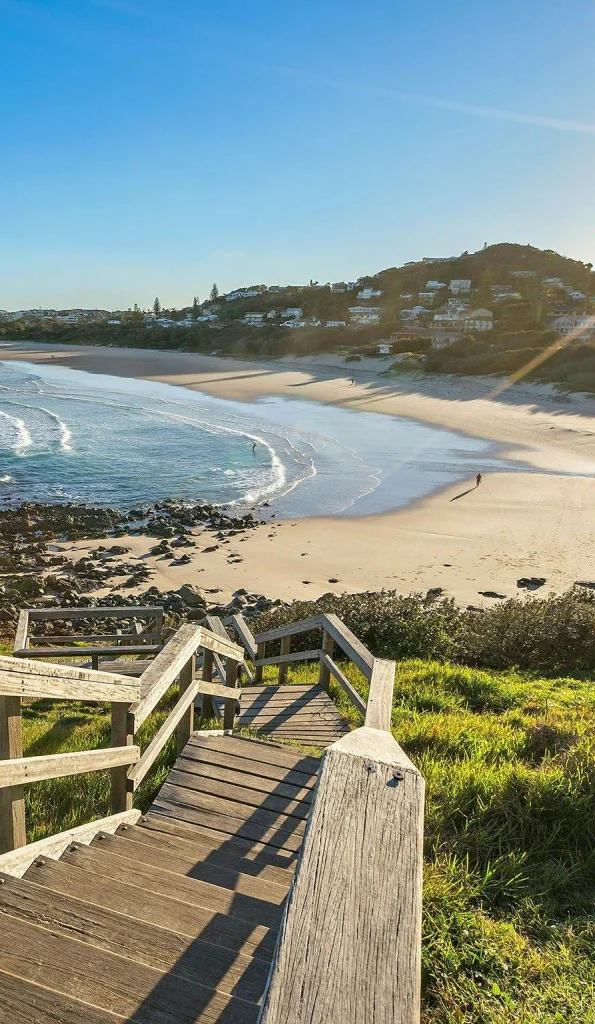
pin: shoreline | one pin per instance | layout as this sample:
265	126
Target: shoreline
459	538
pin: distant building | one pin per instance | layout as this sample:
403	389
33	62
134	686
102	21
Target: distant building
295	312
115	322
429	296
444	338
384	349
478	320
336	323
577	296
434	286
253	319
339	286
583	326
364	314
206	318
369	293
460	286
522	273
437	259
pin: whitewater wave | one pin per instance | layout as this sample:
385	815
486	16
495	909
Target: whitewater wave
5	479
65	432
24	439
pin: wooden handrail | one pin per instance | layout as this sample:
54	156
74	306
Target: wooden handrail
21	770
380	697
20	677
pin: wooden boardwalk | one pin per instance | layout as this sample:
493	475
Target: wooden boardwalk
305	714
174	919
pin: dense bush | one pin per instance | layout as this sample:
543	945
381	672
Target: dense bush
552	634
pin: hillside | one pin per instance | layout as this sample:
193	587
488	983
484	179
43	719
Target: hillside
519	292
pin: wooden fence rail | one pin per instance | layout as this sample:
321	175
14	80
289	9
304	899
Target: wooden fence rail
132	701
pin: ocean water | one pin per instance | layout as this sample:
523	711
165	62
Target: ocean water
67	435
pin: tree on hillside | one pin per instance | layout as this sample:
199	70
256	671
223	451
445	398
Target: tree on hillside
195	307
157	307
214	293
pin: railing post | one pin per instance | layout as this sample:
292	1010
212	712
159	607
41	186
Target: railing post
12	799
122	736
349	949
186	723
207	674
285	649
260	653
328	646
229	706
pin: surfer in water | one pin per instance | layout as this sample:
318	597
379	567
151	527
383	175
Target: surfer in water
254	447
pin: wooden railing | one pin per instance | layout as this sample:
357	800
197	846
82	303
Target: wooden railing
349	948
132	701
141	639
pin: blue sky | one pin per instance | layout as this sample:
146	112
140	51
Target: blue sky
152	147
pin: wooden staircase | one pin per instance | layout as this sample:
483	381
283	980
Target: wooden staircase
174	918
263	886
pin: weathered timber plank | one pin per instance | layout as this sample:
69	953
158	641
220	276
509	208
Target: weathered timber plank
20	640
21	1002
20	677
189	851
103	638
87	652
234	827
226	773
130	612
17	862
241	794
256	750
164	911
13	832
251	851
304	626
110	983
158	947
344	683
349	643
165	669
285	659
191	890
349	949
137	774
21	770
245	635
182	796
217	690
158	857
380	698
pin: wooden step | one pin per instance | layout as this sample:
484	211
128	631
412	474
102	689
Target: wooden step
119	985
24	1003
153	908
201	870
246	795
192	958
258	856
285	784
255	909
256	750
254	771
221	823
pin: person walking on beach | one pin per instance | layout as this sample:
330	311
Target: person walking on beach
478	480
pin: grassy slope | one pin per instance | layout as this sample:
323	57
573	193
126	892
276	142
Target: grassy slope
509	763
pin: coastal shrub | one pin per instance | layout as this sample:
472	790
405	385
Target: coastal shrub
551	634
353	359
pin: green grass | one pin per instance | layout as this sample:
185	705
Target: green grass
509	764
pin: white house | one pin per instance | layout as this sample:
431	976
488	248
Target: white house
336	323
478	320
434	286
564	324
522	273
369	293
553	280
584	326
413	313
364	314
292	311
429	296
253	319
384	349
577	296
339	286
206	318
72	318
460	286
118	322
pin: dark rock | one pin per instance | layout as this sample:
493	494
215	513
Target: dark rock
491	593
530	582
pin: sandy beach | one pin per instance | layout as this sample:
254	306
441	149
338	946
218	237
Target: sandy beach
463	539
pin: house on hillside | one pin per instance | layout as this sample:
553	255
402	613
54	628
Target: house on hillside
564	324
369	293
523	273
364	314
444	338
427	296
460	286
478	320
295	312
383	348
582	326
434	286
339	286
336	323
206	318
577	296
253	319
115	322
